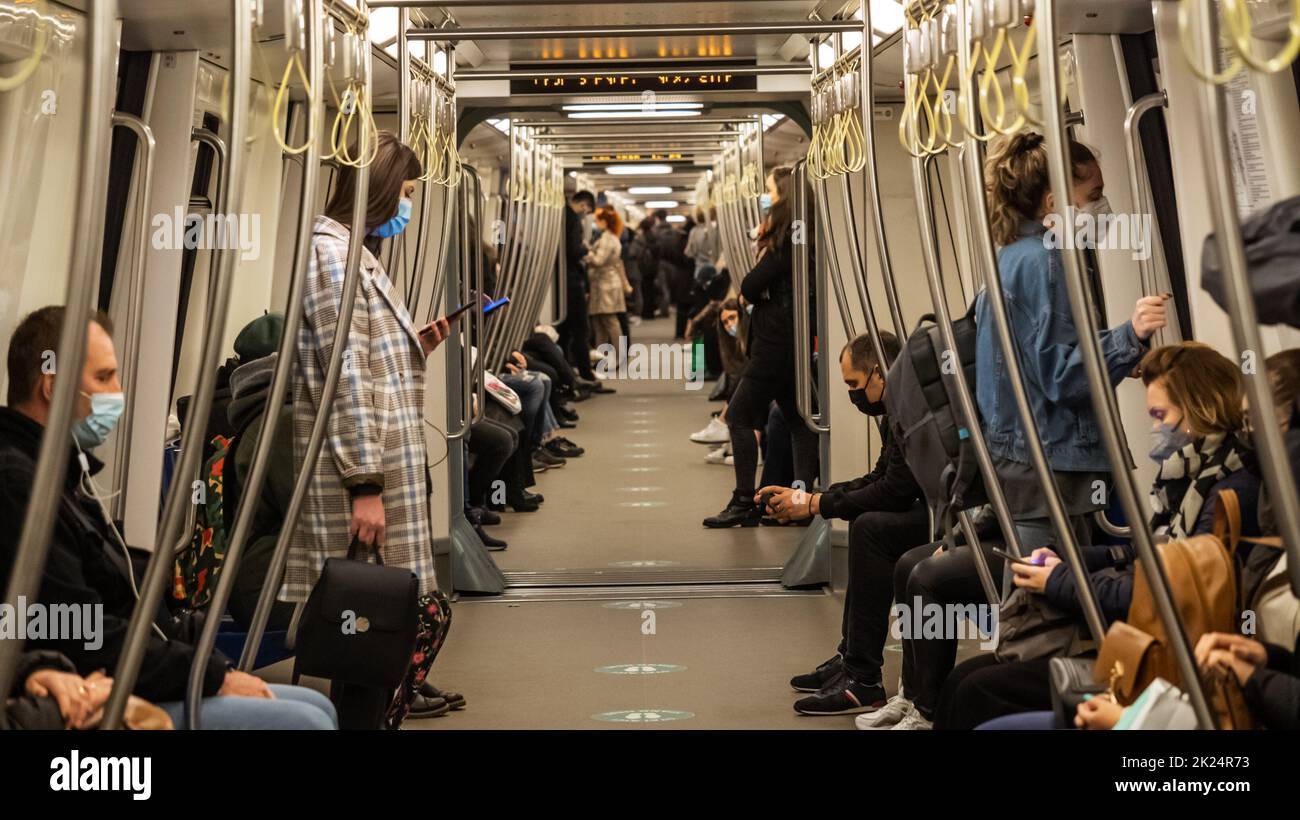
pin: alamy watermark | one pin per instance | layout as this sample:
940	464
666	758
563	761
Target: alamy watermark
956	622
54	622
652	361
234	232
1081	230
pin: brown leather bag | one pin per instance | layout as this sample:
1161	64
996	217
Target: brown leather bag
1203	579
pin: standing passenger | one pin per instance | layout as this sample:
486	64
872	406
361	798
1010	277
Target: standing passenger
371	483
607	279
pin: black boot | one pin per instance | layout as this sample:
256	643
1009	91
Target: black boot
740	512
492	544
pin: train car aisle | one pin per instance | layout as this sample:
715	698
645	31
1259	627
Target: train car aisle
639	493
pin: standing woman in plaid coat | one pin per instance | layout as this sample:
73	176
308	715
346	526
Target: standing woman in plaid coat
370	484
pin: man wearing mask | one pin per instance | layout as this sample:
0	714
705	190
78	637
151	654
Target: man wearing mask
88	562
889	516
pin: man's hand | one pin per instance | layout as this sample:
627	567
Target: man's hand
243	685
787	504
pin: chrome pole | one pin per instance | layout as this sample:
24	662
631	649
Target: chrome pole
802	307
733	28
52	459
1140	190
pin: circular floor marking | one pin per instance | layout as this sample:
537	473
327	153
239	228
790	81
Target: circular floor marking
643	716
639	605
646	564
640	669
643	503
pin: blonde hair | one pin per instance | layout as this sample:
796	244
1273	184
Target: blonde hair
1016	180
1200	381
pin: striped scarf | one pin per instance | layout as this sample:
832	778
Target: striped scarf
1185	479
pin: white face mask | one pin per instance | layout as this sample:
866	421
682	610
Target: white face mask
1097	207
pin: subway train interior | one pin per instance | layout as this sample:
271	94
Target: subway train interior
776	364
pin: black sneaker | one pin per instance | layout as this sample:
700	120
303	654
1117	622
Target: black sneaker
490	543
818	678
853	699
424	706
738	513
562	447
454	699
486	517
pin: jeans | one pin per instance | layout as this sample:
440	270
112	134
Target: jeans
876	541
778	454
1023	722
294	707
491	444
533	393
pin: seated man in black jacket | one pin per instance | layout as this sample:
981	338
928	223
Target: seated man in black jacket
88	564
889	518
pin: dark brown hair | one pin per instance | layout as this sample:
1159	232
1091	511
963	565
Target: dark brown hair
862	353
393	165
781	215
1284	377
36	333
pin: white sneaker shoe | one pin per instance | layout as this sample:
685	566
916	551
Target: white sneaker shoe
718	455
730	461
895	710
715	433
912	722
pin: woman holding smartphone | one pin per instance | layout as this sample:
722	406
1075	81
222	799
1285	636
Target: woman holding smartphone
371	483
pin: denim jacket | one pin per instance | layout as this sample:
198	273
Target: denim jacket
1042	326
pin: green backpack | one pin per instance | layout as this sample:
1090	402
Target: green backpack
199	563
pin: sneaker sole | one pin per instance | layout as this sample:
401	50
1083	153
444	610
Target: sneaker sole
711	441
855	710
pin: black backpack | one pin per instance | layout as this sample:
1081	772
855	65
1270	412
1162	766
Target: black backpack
926	417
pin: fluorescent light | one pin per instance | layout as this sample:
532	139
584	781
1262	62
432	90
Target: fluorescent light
573	174
662	203
886	16
638	170
637	114
769	120
676	218
651	190
630	106
502	125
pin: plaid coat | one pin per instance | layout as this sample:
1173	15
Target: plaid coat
376	427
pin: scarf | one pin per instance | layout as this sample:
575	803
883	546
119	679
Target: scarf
1185	479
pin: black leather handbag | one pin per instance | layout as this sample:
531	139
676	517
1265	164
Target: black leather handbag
360	623
1072	680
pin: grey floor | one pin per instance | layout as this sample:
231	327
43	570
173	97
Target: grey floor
639	495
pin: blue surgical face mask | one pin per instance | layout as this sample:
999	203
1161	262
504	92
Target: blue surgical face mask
398	223
765	202
733	328
1165	441
105	410
749	308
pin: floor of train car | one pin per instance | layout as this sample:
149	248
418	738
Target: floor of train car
721	661
640	491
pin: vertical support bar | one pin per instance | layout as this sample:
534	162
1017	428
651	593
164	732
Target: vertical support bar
192	441
997	304
52	459
802	354
1241	306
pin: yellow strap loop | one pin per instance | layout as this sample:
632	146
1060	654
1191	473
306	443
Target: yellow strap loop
29	66
1236	16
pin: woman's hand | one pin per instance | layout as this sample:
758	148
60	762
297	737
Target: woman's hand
1237	653
434	334
1098	713
78	697
243	685
1149	315
1034	578
368	521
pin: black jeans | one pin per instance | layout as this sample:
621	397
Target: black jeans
948	578
575	335
778	451
491	443
748	411
981	689
876	541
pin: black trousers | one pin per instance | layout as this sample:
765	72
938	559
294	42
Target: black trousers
491	444
748	411
575	335
948	578
981	689
778	451
876	541
538	349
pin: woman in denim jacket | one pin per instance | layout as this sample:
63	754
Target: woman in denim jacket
1033	280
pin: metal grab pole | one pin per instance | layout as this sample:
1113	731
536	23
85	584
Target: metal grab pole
320	424
287	351
965	400
802	355
476	373
135	296
1140	190
732	28
1278	477
1002	324
871	174
465	254
1103	395
192	442
52	459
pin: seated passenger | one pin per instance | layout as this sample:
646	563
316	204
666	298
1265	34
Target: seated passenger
1195	402
88	563
49	694
889	516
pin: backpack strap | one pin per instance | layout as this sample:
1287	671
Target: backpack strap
1227	520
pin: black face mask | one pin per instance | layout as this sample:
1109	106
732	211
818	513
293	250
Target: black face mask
865	405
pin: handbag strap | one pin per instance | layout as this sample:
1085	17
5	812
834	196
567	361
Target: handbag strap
352	553
1227	520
